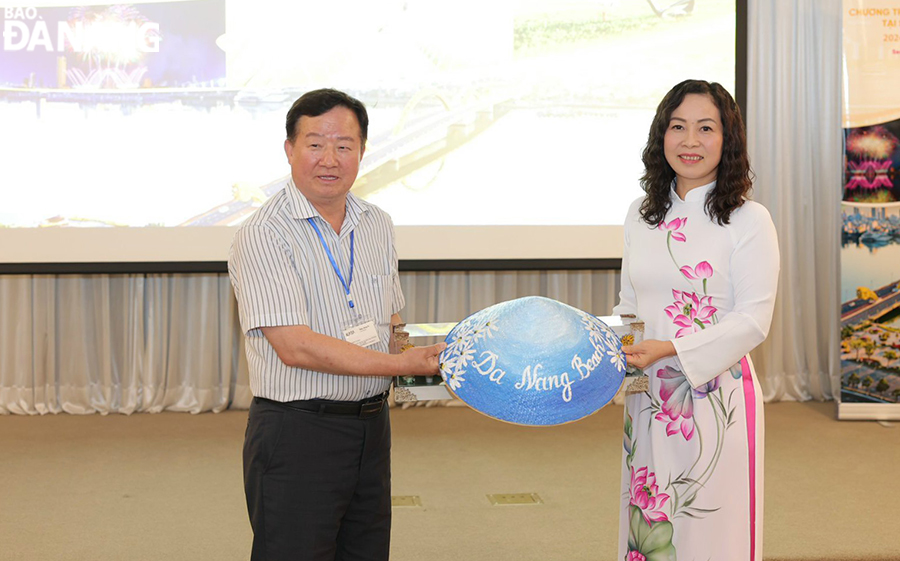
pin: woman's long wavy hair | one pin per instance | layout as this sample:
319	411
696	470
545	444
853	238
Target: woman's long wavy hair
733	177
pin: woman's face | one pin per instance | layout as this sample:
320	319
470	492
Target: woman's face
693	142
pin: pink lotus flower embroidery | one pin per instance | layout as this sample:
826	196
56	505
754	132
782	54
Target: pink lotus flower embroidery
672	227
677	402
635	556
690	312
645	495
703	270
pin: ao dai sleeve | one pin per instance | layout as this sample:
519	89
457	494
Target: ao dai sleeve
754	266
627	297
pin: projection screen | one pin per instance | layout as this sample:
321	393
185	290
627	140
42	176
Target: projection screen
147	132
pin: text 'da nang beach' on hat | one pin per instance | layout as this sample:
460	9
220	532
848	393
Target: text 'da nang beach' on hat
533	361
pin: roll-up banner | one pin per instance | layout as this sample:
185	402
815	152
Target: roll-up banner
870	212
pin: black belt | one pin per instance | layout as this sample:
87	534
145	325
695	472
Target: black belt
364	409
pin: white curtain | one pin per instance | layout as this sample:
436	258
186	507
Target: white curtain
104	344
127	343
796	148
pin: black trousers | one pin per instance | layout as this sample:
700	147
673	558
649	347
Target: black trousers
318	486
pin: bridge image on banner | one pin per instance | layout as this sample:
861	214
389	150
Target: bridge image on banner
870	318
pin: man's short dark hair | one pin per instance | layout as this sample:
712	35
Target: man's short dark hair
319	102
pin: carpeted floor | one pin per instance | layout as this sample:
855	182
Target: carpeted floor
168	486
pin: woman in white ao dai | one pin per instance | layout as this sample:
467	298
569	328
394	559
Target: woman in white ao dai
700	268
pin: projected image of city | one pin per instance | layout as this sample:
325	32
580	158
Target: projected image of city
172	114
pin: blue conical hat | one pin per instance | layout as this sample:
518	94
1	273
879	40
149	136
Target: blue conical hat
533	361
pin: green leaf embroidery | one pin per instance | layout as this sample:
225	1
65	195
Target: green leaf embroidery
653	541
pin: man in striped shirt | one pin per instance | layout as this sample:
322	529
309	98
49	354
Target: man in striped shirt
314	271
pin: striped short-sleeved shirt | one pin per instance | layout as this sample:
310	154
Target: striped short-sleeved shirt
282	275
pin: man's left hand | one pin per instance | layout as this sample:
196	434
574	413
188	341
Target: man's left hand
422	361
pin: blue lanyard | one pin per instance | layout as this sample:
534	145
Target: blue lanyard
334	264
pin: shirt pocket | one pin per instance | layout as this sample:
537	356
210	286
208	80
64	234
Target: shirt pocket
378	298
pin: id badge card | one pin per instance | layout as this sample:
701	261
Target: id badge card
362	333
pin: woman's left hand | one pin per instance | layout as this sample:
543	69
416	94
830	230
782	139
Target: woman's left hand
645	353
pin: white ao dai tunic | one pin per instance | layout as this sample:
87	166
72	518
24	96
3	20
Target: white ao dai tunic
692	465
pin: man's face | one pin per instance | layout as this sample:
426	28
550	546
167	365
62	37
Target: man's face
325	156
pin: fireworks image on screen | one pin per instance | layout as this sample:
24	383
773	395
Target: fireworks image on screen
110	42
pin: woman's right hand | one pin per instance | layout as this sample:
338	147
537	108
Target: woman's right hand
645	353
